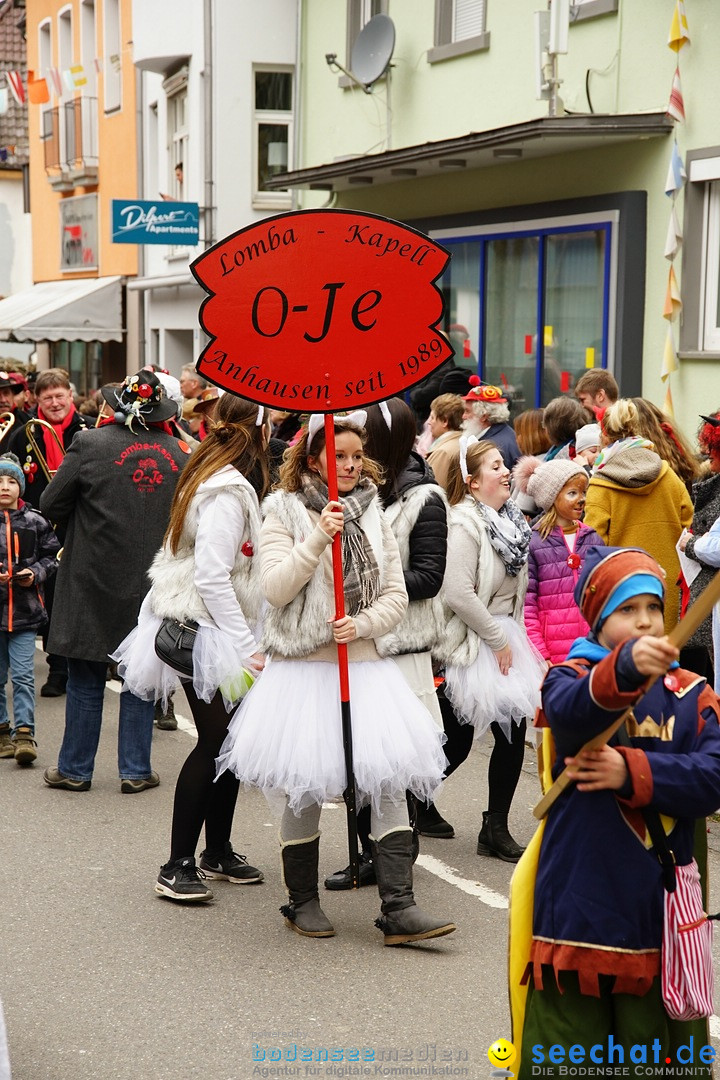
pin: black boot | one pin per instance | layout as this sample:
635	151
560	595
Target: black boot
401	920
342	879
430	821
300	870
494	838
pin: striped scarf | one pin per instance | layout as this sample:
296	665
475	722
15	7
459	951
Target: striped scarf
361	573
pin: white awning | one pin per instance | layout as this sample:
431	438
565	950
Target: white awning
86	309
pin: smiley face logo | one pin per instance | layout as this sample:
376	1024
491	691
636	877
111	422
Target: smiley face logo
501	1054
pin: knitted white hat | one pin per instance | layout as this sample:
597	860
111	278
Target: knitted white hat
586	436
544	480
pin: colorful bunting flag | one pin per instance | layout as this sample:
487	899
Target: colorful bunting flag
16	86
678	35
676	105
673	302
674	236
4	100
676	176
56	80
38	93
668	403
75	77
670	363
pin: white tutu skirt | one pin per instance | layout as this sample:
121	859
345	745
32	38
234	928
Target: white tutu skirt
481	695
215	661
286	736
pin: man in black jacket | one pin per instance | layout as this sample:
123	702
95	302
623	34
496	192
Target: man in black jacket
112	494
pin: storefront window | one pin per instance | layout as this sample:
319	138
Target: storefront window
535	304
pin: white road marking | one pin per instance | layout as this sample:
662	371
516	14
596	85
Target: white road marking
452	877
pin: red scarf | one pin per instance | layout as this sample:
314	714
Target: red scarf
53	453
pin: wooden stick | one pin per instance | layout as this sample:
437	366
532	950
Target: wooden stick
678	636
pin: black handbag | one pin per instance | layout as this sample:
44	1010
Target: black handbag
174	643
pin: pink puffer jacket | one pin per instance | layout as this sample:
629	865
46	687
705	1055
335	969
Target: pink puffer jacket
552	618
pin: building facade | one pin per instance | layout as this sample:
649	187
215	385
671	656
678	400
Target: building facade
216	96
553	205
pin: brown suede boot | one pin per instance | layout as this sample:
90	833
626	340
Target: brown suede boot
25	747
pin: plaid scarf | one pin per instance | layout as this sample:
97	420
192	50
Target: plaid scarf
361	574
509	534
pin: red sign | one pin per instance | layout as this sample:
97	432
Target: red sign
321	310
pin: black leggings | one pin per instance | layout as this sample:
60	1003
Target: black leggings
505	760
503	769
197	798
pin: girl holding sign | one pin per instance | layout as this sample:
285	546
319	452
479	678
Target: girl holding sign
286	737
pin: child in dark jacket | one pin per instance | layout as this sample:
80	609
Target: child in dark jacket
595	958
557	549
28	550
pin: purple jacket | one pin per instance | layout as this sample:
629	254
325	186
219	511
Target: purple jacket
552	618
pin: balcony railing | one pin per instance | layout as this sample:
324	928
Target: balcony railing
71	143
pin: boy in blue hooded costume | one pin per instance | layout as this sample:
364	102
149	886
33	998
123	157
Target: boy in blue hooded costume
595	961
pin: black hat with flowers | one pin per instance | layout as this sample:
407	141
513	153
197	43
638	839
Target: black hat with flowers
141	397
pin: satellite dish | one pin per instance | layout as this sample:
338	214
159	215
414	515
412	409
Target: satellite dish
373	49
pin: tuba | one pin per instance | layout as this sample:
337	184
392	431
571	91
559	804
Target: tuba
7	419
32	439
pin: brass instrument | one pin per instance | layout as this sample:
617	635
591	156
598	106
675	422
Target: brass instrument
31	438
7	419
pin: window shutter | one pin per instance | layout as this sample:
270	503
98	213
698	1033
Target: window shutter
469	19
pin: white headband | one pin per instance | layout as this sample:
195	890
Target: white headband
466	441
260	415
317	420
387	415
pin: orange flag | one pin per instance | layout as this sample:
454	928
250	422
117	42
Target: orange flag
38	93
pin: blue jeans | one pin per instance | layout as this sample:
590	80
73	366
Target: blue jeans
83	720
17	655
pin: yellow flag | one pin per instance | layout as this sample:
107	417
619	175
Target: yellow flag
673	302
668	404
670	363
678	35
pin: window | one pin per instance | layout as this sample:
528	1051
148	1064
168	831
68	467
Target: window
45	63
112	67
177	156
589	9
459	29
359	12
533	302
699	329
273	133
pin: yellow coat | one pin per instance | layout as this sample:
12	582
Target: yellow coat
650	516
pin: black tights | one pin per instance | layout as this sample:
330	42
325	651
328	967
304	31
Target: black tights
197	798
503	769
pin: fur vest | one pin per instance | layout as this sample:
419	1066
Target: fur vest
301	627
459	644
174	594
423	623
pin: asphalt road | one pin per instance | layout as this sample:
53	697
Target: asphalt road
101	979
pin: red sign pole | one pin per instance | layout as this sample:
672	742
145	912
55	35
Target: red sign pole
343	671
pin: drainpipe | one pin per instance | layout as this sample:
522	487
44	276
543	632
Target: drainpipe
140	150
297	104
209	188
